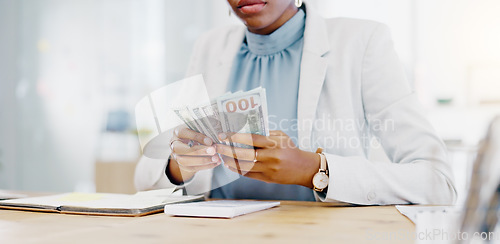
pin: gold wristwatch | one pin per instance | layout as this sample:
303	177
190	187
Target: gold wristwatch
321	179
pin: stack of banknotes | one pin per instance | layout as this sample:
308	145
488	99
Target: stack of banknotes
239	112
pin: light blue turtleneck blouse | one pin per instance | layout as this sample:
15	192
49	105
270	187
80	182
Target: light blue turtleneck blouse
273	62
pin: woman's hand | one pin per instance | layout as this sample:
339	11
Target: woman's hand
191	152
274	159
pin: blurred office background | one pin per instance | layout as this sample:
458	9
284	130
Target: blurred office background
71	72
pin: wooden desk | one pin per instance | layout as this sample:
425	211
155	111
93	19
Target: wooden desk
292	222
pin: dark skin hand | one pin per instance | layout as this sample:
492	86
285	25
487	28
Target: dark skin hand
279	160
185	161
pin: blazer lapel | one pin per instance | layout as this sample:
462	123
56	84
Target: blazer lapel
312	74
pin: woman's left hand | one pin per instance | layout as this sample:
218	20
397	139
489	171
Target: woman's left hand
274	158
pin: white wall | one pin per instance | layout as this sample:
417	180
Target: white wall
399	15
456	40
9	26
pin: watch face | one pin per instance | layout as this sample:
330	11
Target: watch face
320	180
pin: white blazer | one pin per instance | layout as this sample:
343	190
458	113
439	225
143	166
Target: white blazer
352	81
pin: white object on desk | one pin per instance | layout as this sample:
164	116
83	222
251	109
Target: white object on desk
439	227
218	209
412	211
434	224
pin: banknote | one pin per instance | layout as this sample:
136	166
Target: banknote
239	112
184	114
244	112
211	112
206	125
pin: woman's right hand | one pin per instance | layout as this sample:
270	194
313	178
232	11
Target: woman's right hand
191	152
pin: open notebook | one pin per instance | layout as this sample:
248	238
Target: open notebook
4	195
108	204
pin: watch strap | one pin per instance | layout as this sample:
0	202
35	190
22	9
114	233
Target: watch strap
322	168
322	165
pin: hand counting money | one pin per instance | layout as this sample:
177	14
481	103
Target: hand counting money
239	112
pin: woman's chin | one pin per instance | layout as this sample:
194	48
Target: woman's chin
255	24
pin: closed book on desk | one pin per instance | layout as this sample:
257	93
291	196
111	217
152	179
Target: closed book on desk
219	208
107	204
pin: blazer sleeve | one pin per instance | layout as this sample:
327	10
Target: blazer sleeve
150	173
419	172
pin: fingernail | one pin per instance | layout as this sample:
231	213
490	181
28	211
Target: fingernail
215	158
211	150
207	141
176	132
222	136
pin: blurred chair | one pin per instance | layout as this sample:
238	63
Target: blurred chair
480	217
